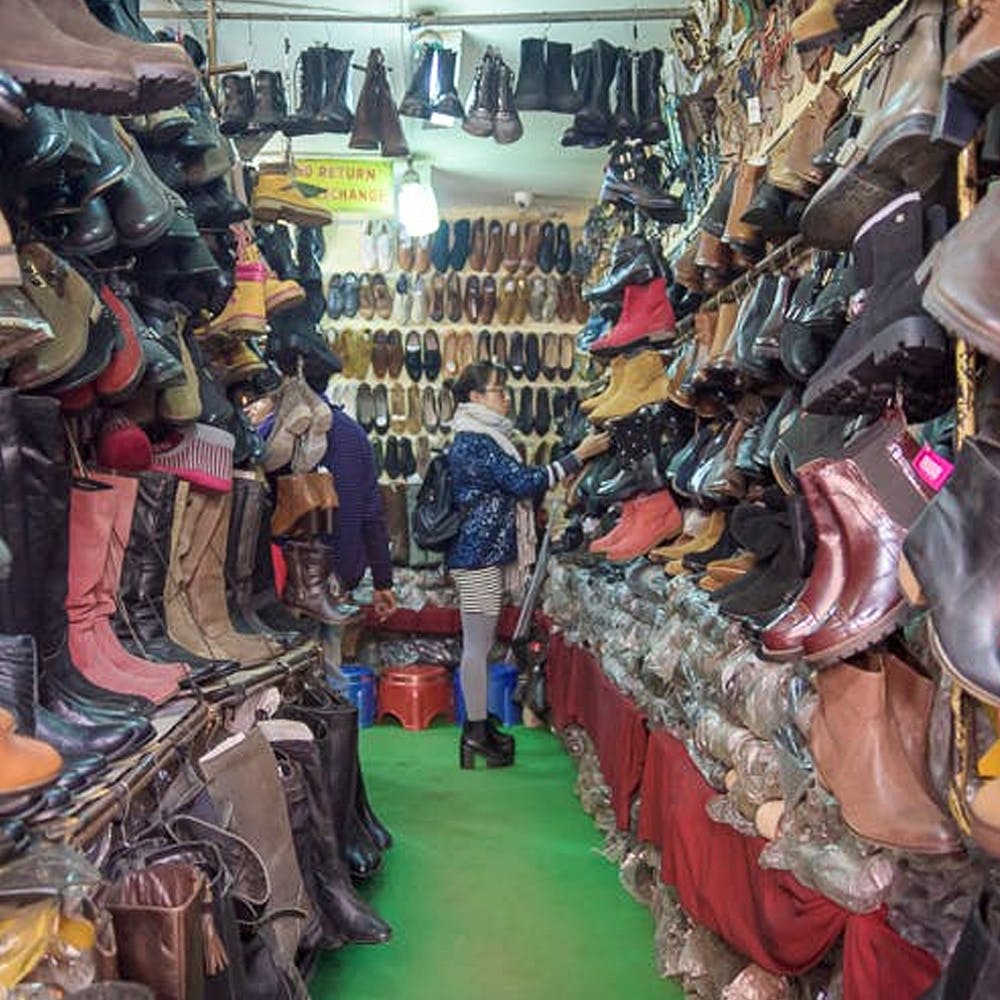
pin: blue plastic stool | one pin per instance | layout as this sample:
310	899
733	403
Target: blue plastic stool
362	690
456	680
500	694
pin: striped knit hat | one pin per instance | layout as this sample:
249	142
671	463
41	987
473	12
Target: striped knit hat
201	454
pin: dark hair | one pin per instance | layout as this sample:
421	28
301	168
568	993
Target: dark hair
476	378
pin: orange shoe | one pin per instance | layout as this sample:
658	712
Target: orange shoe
655	522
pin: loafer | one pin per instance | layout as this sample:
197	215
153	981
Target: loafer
432	355
413	360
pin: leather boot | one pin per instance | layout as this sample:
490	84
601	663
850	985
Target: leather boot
624	121
237	102
334	722
333	114
377	830
646	318
416	101
594	117
531	94
855	739
583	63
482	104
270	109
390	129
652	128
28	764
164	71
59	69
870	603
365	133
643	383
654	523
195	596
507	127
738	234
948	551
140	621
892	149
479	740
345	916
959	293
308	588
893	339
563	98
245	525
101	512
447	107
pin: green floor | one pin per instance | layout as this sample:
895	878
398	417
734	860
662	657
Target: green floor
495	887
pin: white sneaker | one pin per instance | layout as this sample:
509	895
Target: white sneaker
369	260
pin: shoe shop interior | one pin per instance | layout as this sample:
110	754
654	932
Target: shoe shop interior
475	495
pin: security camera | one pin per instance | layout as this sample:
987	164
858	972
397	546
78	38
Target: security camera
523	199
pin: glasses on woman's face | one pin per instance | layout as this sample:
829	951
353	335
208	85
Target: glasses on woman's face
498	389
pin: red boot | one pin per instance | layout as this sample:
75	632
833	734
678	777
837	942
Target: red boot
654	523
647	317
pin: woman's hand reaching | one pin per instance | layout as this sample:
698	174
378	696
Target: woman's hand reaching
592	446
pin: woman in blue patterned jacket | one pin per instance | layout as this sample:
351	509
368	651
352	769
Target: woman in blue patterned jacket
495	546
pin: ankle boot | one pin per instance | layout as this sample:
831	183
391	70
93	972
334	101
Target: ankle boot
624	121
345	916
237	104
140	621
101	510
334	722
270	109
447	106
195	597
482	105
477	740
308	588
562	96
507	127
531	94
651	125
416	101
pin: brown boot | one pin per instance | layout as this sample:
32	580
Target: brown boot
365	134
861	756
390	128
311	584
165	73
58	68
195	598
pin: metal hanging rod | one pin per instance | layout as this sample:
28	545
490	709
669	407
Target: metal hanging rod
428	20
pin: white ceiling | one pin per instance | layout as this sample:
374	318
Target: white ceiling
465	170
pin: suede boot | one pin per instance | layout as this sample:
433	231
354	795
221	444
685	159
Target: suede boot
563	98
531	94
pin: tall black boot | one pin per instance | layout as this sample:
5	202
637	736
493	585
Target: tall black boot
447	107
624	121
140	622
377	830
312	91
346	918
334	114
651	125
531	94
584	64
416	101
563	97
594	118
334	722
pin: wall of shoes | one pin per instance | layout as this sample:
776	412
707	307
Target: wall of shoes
416	311
770	554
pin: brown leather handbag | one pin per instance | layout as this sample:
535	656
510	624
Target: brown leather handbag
158	926
305	505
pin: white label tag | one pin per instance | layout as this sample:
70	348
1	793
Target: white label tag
753	110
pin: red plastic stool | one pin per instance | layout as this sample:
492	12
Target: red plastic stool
414	695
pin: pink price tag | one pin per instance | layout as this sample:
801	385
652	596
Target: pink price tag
932	468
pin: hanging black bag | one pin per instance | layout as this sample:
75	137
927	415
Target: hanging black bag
436	515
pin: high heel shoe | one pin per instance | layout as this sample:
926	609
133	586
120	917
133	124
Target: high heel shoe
503	740
477	739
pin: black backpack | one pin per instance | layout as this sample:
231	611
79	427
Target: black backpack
436	516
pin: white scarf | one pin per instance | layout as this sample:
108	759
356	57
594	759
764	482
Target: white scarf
479	419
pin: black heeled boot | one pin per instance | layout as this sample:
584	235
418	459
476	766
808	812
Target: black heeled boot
478	739
503	740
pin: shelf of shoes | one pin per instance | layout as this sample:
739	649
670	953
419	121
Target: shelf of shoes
747	737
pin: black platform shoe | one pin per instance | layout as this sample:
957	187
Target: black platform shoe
478	738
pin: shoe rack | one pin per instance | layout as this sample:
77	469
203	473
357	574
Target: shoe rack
361	339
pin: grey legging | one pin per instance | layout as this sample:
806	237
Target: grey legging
478	633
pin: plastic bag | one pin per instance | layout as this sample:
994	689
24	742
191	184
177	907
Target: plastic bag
755	983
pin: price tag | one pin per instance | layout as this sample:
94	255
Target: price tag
932	468
753	110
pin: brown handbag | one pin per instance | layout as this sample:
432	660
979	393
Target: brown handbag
300	497
158	927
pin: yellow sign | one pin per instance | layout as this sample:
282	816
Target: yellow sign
350	186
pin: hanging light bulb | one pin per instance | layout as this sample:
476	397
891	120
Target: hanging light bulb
417	205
